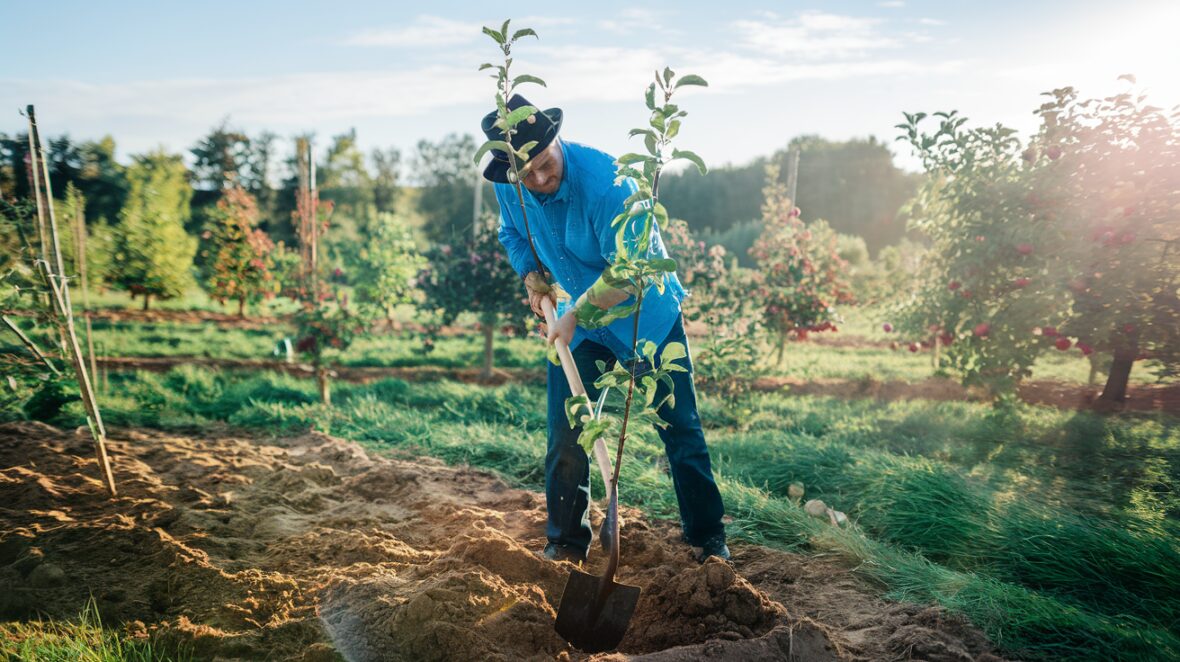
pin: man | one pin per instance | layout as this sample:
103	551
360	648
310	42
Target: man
570	197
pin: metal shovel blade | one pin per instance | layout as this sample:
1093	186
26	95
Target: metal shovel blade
594	620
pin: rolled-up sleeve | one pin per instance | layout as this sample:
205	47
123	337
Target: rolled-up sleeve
516	244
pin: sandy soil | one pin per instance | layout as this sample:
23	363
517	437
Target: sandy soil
310	548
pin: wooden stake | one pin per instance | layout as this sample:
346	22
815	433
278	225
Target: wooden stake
32	346
80	265
64	314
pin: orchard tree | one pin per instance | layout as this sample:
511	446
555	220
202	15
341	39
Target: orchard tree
983	296
238	254
720	299
474	277
153	254
1111	183
387	267
802	272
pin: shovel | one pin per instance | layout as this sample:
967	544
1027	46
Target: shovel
594	611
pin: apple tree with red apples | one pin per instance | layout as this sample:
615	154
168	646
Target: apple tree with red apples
802	272
986	280
1113	167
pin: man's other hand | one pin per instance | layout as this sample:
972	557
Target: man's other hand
564	329
535	297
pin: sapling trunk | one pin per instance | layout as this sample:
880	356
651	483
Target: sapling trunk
1115	391
242	308
321	378
146	300
489	331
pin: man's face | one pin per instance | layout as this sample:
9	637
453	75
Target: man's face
545	170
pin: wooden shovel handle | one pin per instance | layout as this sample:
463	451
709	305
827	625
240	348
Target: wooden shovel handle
601	457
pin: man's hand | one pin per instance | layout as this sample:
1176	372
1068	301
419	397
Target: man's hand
564	329
535	295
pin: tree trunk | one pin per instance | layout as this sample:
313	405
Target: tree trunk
782	347
1115	391
321	377
146	298
937	356
1093	378
241	308
489	332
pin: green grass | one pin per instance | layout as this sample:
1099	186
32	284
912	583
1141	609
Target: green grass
83	639
1056	532
802	360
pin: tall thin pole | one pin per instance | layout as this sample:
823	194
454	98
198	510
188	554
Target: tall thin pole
793	175
64	314
477	205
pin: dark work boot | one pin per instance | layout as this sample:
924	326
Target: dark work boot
714	546
555	552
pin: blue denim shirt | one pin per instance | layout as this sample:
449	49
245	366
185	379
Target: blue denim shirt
573	236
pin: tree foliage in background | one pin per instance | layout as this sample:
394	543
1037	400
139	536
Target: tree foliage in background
387	267
721	300
239	255
1110	182
447	178
1062	245
802	273
474	276
153	255
854	184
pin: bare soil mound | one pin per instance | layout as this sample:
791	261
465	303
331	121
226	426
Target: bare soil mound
309	548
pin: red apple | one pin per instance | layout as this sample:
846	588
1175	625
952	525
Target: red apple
982	329
1048	331
1029	155
1053	152
953	285
914	347
1062	344
887	327
1024	249
1086	349
1022	282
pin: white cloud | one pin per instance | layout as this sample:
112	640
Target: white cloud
934	22
423	31
814	35
891	4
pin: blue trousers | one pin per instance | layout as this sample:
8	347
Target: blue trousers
567	467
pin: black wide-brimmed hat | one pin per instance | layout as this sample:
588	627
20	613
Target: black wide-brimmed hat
543	129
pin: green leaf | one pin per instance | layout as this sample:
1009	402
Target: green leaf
657	119
661	216
672	351
494	35
649	349
601	365
641	132
668	76
665	264
691	156
631	157
486	65
526	78
519	115
649	389
690	79
578	410
649	141
524	32
504	29
551	354
490	145
650	96
673	129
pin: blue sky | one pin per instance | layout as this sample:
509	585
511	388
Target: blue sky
162	73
